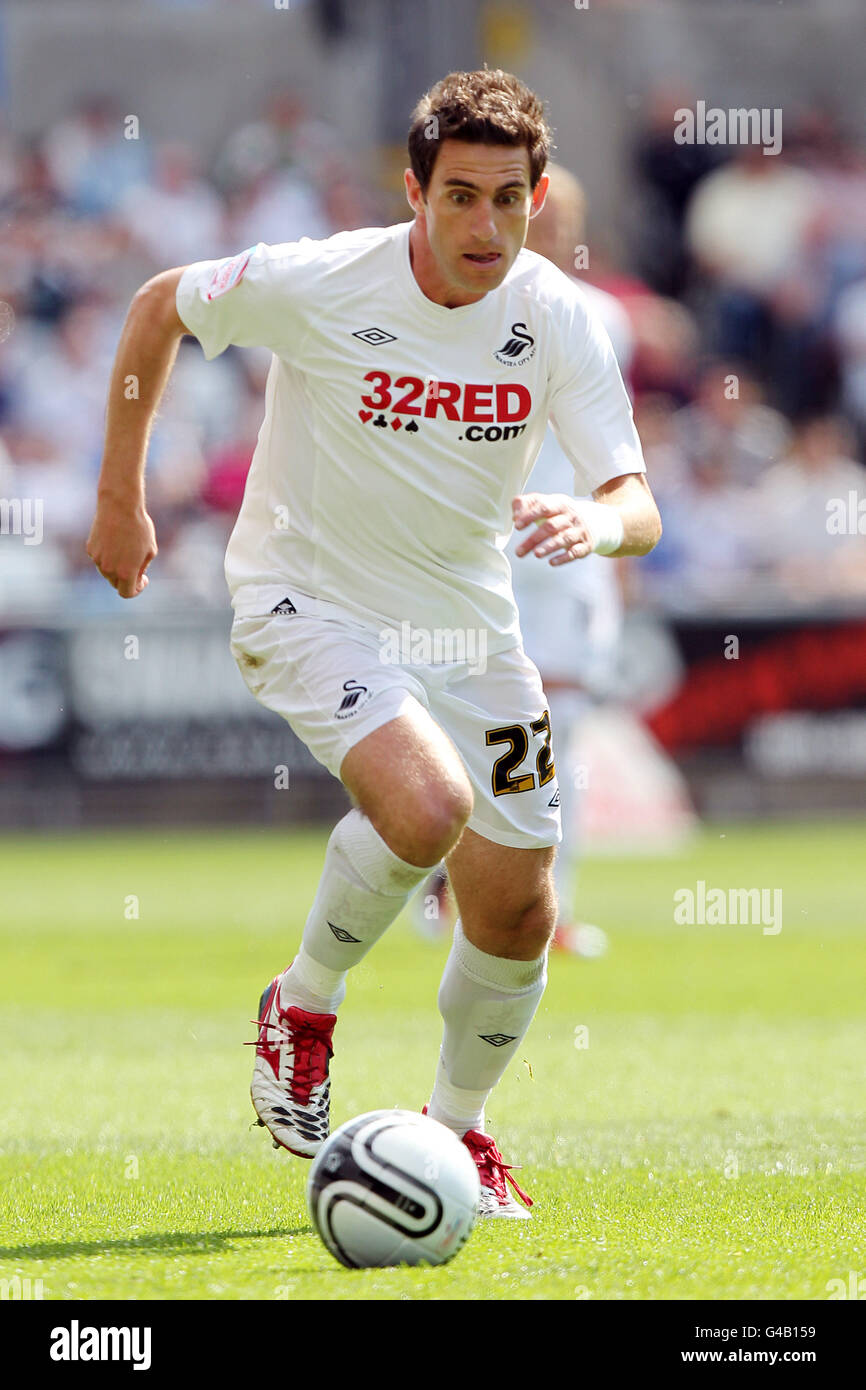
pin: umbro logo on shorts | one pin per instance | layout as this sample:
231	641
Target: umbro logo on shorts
496	1039
554	800
517	349
342	935
356	695
285	605
374	336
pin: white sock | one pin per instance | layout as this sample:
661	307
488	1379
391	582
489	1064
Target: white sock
363	888
454	1106
312	986
480	997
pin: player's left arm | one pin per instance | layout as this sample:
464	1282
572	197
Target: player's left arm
621	519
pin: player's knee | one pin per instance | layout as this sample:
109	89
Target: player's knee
437	818
534	925
460	802
429	822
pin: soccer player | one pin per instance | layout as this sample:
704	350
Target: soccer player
414	371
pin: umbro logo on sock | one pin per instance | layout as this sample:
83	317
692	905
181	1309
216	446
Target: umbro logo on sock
285	605
342	935
496	1039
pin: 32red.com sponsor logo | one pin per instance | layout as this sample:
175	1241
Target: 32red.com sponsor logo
490	411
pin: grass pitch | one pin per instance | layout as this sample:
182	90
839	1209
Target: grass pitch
687	1110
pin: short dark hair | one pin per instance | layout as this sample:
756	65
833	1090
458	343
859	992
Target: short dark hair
487	107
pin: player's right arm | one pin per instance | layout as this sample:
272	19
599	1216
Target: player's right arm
265	296
122	540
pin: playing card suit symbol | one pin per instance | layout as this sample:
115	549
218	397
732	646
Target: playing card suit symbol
380	421
411	428
396	423
365	415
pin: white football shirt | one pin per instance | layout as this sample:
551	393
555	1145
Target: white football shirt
397	431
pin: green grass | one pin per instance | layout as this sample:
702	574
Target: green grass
707	1143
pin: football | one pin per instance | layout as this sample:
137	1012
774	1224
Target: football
393	1187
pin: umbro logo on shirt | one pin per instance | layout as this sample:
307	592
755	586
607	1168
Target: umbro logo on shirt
517	349
374	336
285	605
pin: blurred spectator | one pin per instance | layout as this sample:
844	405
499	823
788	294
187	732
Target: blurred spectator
655	339
31	192
57	386
287	175
194	561
667	341
177	218
746	222
667	173
275	207
206	395
667	465
837	244
690	499
808	509
49	255
58	390
95	156
728	421
748	226
849	327
230	458
555	233
30	207
709	530
283	137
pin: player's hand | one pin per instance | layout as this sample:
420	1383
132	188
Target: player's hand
122	543
561	532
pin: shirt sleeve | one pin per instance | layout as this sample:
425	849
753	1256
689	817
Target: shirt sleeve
589	407
258	298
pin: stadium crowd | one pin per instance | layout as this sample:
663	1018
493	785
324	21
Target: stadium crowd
744	286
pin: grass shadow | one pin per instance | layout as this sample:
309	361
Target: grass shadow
190	1242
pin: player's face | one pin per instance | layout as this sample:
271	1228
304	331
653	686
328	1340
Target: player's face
473	220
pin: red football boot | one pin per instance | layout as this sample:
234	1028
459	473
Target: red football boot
291	1089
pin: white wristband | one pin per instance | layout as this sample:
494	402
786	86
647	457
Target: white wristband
604	525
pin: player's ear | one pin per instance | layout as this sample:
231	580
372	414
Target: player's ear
539	193
414	193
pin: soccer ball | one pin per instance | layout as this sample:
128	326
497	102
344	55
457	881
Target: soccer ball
393	1187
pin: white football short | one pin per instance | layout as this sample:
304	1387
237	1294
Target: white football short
335	682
